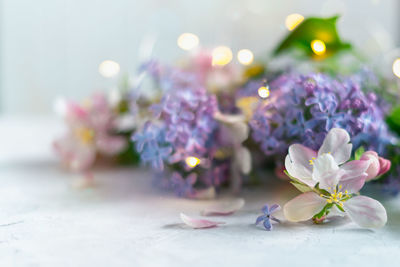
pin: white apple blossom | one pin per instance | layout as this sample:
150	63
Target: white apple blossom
330	183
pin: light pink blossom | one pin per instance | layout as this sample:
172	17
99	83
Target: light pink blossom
89	133
332	182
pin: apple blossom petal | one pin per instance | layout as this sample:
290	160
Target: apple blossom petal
198	223
366	212
330	180
354	175
374	165
299	172
337	143
297	163
224	208
302	155
326	171
303	207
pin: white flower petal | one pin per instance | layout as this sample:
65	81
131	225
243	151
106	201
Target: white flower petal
354	175
224	208
326	171
299	172
297	162
366	212
303	207
243	159
198	223
337	143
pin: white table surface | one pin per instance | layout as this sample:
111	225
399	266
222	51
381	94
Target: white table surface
123	221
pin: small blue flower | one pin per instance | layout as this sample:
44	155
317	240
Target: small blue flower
267	217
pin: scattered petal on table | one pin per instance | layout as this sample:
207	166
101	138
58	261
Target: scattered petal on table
224	208
198	223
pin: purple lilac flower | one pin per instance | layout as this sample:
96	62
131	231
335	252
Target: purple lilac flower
303	109
267	216
183	125
152	145
183	187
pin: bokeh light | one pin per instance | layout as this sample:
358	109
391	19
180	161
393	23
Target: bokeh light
221	56
396	67
263	91
293	20
109	68
188	41
245	57
192	161
318	47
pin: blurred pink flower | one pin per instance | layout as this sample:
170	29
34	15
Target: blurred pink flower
89	133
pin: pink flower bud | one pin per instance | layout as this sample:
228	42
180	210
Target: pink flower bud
374	166
378	165
384	165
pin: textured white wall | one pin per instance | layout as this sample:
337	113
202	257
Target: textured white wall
53	47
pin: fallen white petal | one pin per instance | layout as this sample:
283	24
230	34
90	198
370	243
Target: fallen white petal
198	223
224	208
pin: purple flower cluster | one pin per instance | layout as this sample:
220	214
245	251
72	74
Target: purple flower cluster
182	126
302	108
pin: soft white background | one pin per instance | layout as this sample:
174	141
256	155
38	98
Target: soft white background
53	47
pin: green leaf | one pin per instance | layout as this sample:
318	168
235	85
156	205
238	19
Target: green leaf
321	191
393	120
359	152
301	187
324	211
340	208
314	28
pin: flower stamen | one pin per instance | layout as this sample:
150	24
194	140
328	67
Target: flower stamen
337	197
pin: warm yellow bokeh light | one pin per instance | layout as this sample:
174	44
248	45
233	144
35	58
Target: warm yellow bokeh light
192	161
263	91
396	67
187	41
293	20
318	47
245	57
109	68
221	56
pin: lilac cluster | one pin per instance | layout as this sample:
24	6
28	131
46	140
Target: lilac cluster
182	126
302	108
